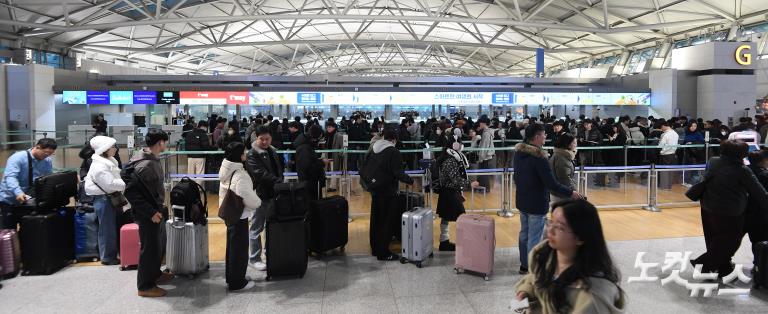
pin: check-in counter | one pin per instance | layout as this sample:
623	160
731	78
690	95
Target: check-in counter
79	134
122	132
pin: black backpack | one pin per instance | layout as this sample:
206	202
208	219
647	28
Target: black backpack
194	142
189	202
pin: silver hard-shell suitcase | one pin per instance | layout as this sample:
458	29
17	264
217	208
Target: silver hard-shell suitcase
187	247
416	227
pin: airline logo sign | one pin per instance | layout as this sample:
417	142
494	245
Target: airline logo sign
743	55
214	98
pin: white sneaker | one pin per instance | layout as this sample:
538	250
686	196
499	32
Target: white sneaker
249	286
261	266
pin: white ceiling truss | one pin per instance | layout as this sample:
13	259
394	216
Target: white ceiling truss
362	37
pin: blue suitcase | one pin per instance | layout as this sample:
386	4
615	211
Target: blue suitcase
86	236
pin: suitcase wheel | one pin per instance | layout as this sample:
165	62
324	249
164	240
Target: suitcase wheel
431	255
268	278
122	268
341	249
418	264
486	278
190	276
458	271
403	260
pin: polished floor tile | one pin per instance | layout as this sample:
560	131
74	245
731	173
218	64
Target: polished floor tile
361	284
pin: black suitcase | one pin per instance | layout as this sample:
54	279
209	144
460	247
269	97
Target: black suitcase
327	219
47	241
402	204
286	248
291	201
760	272
55	190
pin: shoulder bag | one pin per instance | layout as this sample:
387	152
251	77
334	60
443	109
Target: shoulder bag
232	205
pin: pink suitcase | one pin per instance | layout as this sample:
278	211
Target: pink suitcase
10	253
475	244
129	246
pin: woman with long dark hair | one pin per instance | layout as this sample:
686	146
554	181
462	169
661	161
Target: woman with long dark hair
572	271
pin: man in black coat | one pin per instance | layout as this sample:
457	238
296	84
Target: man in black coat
266	170
309	166
534	180
730	185
384	164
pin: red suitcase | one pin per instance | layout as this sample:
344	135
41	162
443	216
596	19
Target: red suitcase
10	253
129	246
475	244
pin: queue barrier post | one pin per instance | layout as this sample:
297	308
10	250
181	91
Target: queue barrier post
653	186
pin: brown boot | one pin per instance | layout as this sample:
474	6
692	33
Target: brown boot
155	292
164	278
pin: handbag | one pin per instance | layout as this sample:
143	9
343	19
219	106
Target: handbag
232	205
696	191
117	199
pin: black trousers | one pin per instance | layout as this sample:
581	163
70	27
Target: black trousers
149	257
754	226
237	255
382	214
722	235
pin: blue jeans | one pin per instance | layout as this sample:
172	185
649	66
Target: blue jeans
257	226
107	228
531	231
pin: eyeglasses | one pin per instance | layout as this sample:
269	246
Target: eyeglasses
556	227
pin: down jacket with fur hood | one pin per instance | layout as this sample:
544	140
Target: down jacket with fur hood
104	173
534	180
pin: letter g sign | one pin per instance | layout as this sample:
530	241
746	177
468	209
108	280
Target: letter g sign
743	56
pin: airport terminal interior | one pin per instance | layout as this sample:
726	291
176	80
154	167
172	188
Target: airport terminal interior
638	97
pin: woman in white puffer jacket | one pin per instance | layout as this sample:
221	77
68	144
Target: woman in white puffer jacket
104	178
232	169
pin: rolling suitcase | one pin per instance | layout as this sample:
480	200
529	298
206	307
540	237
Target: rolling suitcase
328	224
475	244
286	248
130	246
10	253
47	241
416	228
187	246
405	201
86	236
760	272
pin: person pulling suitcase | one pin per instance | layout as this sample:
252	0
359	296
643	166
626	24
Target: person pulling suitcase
380	174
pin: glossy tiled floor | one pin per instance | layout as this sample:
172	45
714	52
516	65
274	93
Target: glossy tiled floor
359	284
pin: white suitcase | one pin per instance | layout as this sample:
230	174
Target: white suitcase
187	248
416	228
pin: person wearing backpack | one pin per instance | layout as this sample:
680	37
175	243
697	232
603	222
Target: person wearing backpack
198	140
452	179
144	190
382	170
102	179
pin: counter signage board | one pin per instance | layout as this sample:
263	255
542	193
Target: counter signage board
143	97
503	98
121	97
74	97
167	97
98	97
214	98
309	98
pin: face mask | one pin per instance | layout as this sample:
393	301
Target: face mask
723	133
230	132
439	131
457	146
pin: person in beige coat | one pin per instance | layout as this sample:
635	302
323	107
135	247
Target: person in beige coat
234	176
572	271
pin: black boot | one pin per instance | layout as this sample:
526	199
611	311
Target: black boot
447	246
